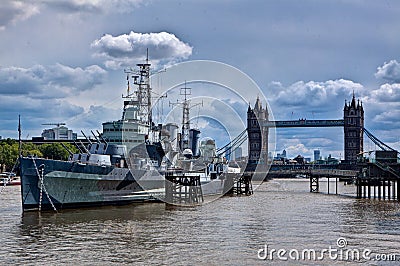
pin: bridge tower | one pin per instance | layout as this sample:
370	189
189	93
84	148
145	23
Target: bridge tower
353	130
257	134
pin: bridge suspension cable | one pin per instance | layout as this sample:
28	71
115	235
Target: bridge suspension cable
229	143
378	142
233	145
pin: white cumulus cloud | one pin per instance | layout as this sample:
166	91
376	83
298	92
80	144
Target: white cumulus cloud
298	148
311	100
389	71
127	49
387	93
313	93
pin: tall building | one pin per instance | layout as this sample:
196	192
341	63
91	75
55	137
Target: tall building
353	130
317	155
59	133
281	156
238	153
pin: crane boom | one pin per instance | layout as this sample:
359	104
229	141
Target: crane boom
54	124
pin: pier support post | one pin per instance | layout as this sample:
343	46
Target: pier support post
384	189
358	188
369	189
328	185
393	190
314	183
398	189
336	191
374	191
379	189
364	190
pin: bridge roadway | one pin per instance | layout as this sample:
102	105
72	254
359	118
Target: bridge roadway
303	123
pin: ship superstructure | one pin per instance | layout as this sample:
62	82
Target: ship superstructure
136	121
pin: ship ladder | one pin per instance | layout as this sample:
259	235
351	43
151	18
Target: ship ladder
42	186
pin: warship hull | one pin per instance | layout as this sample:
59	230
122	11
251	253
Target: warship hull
70	185
51	184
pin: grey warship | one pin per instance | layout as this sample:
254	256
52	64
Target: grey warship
127	163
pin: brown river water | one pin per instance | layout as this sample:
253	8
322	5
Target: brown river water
281	215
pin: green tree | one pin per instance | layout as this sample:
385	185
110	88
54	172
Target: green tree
54	151
71	148
8	154
9	151
30	149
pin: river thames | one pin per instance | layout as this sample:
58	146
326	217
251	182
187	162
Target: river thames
281	215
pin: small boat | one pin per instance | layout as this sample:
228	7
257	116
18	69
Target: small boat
9	179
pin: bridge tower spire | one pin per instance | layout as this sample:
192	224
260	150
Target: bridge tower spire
353	114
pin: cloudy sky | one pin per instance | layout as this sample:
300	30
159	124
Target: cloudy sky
63	60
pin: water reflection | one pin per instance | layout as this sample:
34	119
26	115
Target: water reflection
136	212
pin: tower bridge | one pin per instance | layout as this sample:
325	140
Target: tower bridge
378	179
258	125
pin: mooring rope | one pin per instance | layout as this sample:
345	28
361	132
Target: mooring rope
42	187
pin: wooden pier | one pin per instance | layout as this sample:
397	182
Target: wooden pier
378	188
243	185
380	179
316	174
183	189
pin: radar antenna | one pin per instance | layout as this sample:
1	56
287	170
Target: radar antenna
186	106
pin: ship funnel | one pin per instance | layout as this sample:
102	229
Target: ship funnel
194	135
172	128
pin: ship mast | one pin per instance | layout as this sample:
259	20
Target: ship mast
141	98
184	143
185	117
